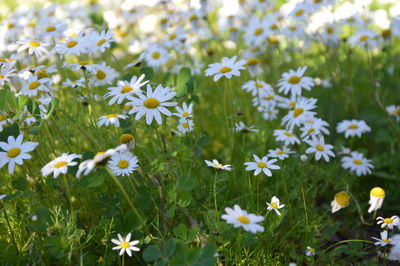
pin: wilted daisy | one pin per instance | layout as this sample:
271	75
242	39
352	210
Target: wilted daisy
60	164
310	251
227	68
14	152
293	81
275	205
388	222
280	153
383	241
394	110
111	119
240	218
241	127
127	139
286	136
125	245
123	163
36	47
185	111
100	158
216	165
352	128
262	165
376	197
320	149
357	163
341	200
152	104
185	125
125	89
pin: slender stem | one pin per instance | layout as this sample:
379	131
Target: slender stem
11	231
68	193
215	197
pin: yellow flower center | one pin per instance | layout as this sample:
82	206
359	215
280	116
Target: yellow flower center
353	126
268	98
297	112
273	27
280	152
342	198
292	28
34	85
243	219
294	79
357	161
2	117
363	38
319	147
253	61
1	76
123	164
151	103
386	33
13	152
193	17
111	116
42	73
299	12
386	241
10	25
60	164
156	55
225	69
329	30
288	134
34	43
274	205
50	29
388	220
101	42
259	85
100	75
185	114
126	138
126	89
377	192
185	125
397	111
261	165
311	250
311	130
71	44
125	245
217	165
172	37
258	31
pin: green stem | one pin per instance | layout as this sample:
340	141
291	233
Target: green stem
11	231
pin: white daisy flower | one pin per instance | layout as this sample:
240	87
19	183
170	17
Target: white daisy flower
102	75
123	163
33	85
376	197
352	128
72	45
156	56
314	127
394	110
111	119
280	153
125	89
366	39
300	113
185	111
286	136
60	164
152	104
5	74
341	200
51	28
216	165
87	166
293	81
389	222
255	86
227	68
125	245
383	241
240	218
15	152
99	42
310	251
36	47
275	205
257	31
320	149
262	164
357	163
241	127
185	125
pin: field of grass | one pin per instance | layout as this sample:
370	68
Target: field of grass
60	74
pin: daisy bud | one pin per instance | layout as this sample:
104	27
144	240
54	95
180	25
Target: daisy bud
127	139
341	200
253	66
303	157
377	195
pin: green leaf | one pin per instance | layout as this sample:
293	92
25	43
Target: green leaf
22	101
151	253
148	72
95	180
183	77
181	232
12	130
33	107
185	182
168	80
53	103
20	184
3	99
169	248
